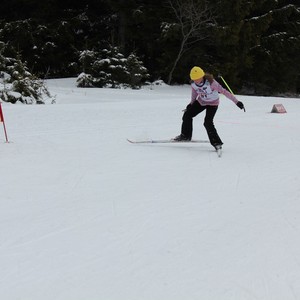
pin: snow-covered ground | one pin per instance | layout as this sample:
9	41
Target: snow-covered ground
85	215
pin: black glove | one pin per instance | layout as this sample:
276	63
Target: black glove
241	105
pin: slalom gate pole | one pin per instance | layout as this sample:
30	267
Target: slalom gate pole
2	120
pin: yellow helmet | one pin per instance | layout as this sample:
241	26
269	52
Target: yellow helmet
196	73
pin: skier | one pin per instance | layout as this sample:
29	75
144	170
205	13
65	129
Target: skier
205	96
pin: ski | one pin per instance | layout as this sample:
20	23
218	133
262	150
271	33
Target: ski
164	141
219	151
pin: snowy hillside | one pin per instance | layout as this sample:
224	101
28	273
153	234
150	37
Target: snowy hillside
84	215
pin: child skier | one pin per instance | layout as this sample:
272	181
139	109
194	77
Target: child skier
205	96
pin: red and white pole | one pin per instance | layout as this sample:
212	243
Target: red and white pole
2	120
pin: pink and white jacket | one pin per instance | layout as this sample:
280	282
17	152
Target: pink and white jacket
207	93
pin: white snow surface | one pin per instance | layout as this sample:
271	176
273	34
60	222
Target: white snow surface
85	215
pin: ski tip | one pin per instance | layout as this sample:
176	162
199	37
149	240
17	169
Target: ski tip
219	150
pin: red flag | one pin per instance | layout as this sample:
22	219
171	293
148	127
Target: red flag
2	121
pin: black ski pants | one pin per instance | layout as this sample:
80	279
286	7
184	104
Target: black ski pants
192	111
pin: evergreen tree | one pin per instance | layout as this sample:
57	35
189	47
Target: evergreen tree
277	56
136	70
18	84
236	33
254	40
254	44
110	68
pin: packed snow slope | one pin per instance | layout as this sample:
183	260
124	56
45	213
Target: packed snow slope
85	215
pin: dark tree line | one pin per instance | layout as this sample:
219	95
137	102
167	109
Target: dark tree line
254	44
